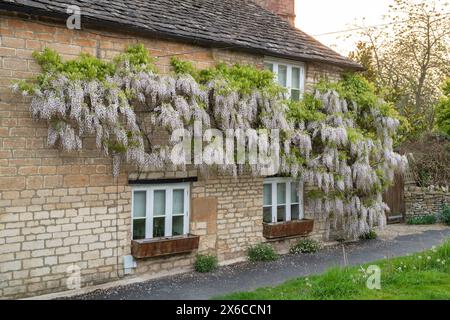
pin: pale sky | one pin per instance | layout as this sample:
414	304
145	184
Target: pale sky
316	17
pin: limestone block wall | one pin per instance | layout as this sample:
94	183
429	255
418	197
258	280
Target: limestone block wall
421	202
63	209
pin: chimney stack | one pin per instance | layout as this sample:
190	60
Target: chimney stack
284	8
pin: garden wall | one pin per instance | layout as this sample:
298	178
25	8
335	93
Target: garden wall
422	202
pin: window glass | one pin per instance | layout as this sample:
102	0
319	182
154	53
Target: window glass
159	227
282	75
294	192
267	194
281	193
281	213
138	229
268	66
177	225
295	84
295	213
178	201
139	204
159	203
267	214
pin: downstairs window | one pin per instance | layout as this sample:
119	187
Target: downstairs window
283	200
160	211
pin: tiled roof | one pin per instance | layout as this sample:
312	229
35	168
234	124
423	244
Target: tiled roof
237	24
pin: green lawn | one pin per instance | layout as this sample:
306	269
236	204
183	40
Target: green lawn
420	276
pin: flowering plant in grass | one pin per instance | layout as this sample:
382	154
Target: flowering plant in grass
340	139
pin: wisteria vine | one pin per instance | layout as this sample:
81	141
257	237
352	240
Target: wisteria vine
340	145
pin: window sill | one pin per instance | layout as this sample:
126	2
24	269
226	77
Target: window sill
288	229
147	248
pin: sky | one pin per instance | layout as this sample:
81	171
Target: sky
316	17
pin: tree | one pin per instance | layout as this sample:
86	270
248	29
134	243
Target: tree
364	54
443	110
410	58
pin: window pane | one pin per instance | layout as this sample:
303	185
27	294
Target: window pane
267	194
268	66
281	213
295	212
159	203
295	95
267	214
178	201
296	78
177	225
158	227
139	202
294	192
138	229
282	75
281	193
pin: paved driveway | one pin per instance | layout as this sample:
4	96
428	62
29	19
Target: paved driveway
249	276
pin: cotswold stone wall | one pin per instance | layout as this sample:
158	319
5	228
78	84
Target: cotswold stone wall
421	202
62	209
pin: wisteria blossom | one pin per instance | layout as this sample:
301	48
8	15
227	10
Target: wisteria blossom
347	171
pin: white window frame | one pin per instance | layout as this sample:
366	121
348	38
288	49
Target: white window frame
289	182
168	188
289	64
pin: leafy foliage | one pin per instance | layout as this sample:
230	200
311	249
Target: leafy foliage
205	263
407	59
340	139
305	246
443	110
445	214
371	235
262	252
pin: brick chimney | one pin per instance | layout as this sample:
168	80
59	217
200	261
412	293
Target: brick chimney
283	8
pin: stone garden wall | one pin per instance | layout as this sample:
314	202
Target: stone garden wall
421	201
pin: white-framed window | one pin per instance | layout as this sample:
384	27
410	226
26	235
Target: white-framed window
289	75
283	200
160	210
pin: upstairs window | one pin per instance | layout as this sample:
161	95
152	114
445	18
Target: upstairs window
160	211
290	76
283	200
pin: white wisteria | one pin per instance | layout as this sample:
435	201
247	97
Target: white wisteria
348	170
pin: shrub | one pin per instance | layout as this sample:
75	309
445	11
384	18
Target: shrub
205	263
262	252
429	219
370	235
305	246
445	214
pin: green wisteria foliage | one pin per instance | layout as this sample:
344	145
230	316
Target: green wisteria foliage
339	139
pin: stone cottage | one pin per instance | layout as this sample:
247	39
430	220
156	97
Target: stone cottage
64	212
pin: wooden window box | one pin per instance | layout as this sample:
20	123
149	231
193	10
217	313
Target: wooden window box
288	229
147	248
